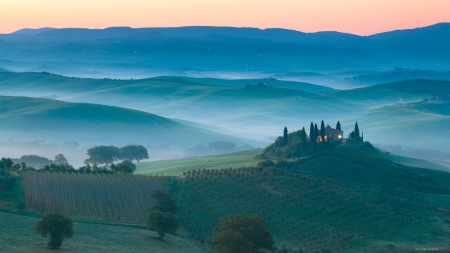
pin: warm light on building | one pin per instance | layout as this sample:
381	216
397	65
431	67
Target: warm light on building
339	136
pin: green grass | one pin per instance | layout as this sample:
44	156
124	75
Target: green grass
351	199
178	166
414	162
18	237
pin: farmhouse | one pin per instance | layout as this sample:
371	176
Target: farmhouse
331	134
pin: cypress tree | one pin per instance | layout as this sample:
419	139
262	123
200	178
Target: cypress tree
338	126
304	137
362	136
285	136
356	131
316	131
311	133
322	131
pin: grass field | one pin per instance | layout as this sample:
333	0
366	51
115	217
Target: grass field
420	163
17	236
178	166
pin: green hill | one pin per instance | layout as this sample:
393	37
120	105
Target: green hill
267	81
251	113
351	199
52	120
178	166
18	237
414	162
390	93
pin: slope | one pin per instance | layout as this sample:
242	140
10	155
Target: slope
267	81
178	166
251	113
18	237
52	120
350	199
390	93
415	162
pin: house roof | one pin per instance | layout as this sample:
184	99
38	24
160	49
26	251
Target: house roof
330	130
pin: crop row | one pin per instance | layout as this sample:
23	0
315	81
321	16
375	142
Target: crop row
121	198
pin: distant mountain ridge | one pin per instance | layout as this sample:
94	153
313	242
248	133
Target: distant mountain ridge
176	51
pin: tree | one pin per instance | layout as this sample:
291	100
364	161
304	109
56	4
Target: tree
60	159
316	131
57	226
133	152
356	132
162	222
285	136
240	233
164	202
304	139
311	134
322	131
125	167
338	126
103	154
35	161
6	163
362	136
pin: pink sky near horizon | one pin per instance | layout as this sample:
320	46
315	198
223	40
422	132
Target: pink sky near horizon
362	17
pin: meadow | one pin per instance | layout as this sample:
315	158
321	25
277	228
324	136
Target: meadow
18	237
176	167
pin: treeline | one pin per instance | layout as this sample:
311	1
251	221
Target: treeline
215	148
298	144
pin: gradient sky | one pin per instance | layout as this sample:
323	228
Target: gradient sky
361	17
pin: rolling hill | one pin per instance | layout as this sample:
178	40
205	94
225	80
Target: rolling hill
36	118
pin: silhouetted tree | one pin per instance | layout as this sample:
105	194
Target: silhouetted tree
103	154
285	136
162	222
356	132
60	159
240	233
316	131
57	226
322	131
164	202
6	163
362	136
133	152
338	125
304	139
311	134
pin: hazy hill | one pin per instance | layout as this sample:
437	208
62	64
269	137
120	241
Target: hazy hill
33	118
253	113
123	51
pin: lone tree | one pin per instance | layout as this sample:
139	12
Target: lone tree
164	202
60	159
103	154
162	222
6	163
285	136
57	226
133	152
241	234
338	126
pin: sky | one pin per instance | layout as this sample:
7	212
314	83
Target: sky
362	17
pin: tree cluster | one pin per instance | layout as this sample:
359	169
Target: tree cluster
162	217
109	154
298	143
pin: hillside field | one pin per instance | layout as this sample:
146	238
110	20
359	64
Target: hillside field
18	237
344	200
178	166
